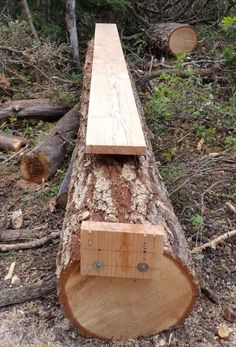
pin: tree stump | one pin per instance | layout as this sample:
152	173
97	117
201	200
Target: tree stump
123	189
173	38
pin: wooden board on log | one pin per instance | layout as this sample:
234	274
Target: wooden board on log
114	125
121	250
123	189
173	38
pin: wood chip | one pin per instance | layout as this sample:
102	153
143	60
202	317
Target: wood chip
17	219
223	331
52	205
85	215
229	315
10	271
200	145
15	280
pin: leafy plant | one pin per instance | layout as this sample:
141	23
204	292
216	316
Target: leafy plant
228	25
230	54
230	141
197	221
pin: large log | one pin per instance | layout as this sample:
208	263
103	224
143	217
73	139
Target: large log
11	143
42	109
121	189
42	163
172	38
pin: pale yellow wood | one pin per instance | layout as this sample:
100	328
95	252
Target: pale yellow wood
114	125
119	248
183	39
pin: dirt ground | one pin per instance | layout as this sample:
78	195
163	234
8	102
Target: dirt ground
207	183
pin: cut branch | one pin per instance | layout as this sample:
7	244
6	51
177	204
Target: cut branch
11	235
213	243
30	19
42	109
43	162
18	295
11	143
72	28
31	244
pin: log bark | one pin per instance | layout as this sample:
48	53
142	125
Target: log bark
125	189
11	143
172	38
72	28
10	235
18	295
29	18
42	163
42	109
62	195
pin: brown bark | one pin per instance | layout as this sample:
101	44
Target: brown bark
121	189
172	38
10	235
42	109
42	163
11	143
28	292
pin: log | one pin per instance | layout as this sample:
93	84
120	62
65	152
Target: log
42	109
29	292
42	162
10	235
72	27
11	143
62	195
123	189
173	38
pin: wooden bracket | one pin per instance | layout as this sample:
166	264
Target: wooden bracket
121	250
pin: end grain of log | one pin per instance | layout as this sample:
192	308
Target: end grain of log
11	143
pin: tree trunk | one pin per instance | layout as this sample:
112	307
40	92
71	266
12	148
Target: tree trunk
42	109
124	189
29	17
11	143
172	38
42	162
72	28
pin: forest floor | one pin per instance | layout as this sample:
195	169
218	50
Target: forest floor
193	122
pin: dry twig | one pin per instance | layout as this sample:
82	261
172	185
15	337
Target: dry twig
213	243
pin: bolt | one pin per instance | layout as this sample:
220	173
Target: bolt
143	267
98	265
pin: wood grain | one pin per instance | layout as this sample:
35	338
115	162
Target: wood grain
114	125
119	248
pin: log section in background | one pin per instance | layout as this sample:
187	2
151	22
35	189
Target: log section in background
42	109
11	143
42	162
121	189
172	38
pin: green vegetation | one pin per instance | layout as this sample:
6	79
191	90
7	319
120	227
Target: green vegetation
197	221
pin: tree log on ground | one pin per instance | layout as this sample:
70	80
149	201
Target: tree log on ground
10	235
125	189
172	38
42	162
11	143
42	109
28	292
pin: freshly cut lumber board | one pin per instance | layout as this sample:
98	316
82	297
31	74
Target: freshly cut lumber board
121	250
114	125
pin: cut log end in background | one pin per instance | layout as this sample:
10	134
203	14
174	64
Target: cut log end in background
11	143
173	38
126	190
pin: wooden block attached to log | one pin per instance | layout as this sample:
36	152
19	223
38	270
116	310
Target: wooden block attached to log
114	125
121	250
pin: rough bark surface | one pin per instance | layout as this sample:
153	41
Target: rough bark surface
12	296
72	28
159	35
125	189
42	163
42	109
11	143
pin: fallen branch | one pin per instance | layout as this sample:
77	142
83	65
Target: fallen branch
11	143
30	244
42	109
17	295
42	163
231	207
213	243
10	235
29	18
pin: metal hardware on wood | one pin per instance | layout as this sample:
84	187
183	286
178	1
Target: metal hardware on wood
143	267
98	265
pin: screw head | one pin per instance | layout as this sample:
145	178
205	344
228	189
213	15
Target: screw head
98	265
143	267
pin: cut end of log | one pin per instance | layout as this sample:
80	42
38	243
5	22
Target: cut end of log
122	308
182	39
34	167
62	200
